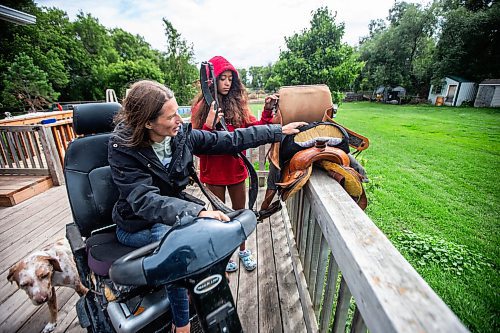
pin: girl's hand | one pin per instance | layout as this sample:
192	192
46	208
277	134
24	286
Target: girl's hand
211	116
214	214
270	102
292	128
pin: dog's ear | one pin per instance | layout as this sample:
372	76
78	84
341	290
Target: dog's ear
55	264
13	274
52	261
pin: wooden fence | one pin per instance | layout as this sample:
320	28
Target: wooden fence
35	149
356	280
40	149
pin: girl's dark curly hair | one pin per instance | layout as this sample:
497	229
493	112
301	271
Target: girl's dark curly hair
234	105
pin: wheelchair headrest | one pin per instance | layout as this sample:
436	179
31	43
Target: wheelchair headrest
94	118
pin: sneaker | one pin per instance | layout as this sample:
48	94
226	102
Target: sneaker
231	266
247	259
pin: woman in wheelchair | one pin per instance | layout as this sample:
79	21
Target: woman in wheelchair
151	158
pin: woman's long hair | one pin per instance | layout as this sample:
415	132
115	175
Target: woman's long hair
234	105
142	104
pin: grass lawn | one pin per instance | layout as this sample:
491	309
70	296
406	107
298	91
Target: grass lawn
433	191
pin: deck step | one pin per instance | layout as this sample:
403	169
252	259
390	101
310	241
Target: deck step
16	189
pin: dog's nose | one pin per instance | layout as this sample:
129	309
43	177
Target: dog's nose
40	298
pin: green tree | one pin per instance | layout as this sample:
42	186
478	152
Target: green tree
26	85
47	42
256	74
469	42
178	67
243	75
132	47
120	75
260	75
317	55
401	53
94	53
81	59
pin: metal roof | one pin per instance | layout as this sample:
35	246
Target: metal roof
491	81
458	78
16	16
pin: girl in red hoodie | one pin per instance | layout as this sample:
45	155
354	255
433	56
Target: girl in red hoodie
221	172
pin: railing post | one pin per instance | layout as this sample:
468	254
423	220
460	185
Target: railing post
51	155
262	165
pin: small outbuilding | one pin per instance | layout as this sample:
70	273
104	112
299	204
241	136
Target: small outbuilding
488	94
388	94
453	91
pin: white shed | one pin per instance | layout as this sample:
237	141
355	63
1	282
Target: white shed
455	90
488	94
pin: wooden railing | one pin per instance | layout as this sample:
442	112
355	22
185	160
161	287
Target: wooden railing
35	149
35	118
40	149
62	135
356	280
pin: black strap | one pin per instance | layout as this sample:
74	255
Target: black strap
217	204
208	69
214	200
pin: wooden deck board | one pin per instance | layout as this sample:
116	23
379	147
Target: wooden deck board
267	298
269	306
291	310
16	189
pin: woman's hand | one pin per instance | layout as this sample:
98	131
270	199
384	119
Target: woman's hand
292	128
271	101
214	214
211	116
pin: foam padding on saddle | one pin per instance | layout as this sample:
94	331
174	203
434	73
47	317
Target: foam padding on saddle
318	131
352	183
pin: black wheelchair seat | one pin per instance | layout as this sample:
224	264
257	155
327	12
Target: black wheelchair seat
91	190
104	249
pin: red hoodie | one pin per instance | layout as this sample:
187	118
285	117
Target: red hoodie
226	169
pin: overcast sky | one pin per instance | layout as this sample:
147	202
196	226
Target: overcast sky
247	33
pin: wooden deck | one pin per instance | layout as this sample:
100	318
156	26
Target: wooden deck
267	298
17	188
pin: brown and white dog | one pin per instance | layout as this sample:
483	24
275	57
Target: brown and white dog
41	271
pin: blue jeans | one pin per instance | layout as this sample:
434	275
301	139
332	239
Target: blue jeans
178	296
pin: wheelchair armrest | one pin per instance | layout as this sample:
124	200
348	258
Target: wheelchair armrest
79	251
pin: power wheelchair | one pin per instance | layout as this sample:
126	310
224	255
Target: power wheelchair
127	286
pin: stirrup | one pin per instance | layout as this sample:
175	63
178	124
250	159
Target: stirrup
265	213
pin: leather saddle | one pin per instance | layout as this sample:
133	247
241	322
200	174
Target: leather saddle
322	143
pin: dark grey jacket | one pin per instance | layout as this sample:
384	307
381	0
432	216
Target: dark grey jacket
151	193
